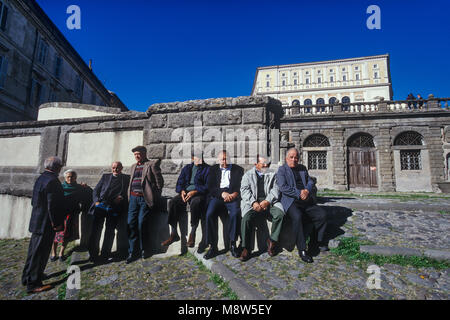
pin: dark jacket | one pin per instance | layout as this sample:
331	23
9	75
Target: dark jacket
200	179
48	203
215	175
288	186
152	182
101	192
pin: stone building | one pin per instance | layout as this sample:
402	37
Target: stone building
38	65
360	79
376	146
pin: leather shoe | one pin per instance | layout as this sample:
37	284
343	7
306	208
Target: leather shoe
172	238
305	257
53	259
235	252
212	252
191	240
130	258
245	255
40	289
201	248
270	247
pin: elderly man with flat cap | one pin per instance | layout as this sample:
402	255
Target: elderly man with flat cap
144	194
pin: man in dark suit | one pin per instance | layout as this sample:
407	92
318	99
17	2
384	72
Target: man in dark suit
224	183
47	217
191	188
144	195
296	186
110	202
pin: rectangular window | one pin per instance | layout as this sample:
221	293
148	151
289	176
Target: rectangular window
307	81
319	80
3	15
331	79
36	93
58	67
375	75
357	77
410	160
42	53
284	82
344	78
93	100
317	160
3	70
295	82
267	84
78	85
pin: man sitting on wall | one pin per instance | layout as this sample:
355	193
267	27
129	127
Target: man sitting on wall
260	197
224	183
191	188
295	186
110	202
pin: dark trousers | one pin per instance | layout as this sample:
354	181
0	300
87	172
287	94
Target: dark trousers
178	214
299	213
98	220
232	225
37	258
138	212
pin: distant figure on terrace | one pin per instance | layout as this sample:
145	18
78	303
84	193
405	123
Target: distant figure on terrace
411	97
77	199
47	217
191	188
420	101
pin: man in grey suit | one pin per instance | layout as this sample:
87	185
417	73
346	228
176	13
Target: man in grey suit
296	186
259	198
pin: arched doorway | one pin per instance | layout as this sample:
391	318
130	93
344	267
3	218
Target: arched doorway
362	162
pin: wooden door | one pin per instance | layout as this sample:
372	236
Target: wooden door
362	168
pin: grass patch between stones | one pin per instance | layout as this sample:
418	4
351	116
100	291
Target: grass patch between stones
349	249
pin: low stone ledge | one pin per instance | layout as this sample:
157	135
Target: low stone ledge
243	290
442	255
390	251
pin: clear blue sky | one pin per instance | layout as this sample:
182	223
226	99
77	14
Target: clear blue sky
161	51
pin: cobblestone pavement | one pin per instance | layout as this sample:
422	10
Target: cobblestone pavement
284	276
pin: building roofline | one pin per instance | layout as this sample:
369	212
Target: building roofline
323	62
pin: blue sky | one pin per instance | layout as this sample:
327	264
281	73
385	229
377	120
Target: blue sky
161	51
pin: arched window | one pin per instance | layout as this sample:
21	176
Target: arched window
317	159
332	100
345	102
361	140
408	138
316	140
307	102
295	103
320	101
410	159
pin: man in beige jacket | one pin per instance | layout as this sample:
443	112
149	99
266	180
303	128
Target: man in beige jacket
144	194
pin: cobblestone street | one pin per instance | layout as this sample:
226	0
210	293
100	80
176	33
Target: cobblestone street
285	276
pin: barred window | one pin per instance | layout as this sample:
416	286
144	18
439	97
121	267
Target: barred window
317	160
410	160
316	140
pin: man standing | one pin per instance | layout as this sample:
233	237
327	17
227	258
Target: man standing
296	185
144	194
47	217
260	197
191	188
224	183
110	202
